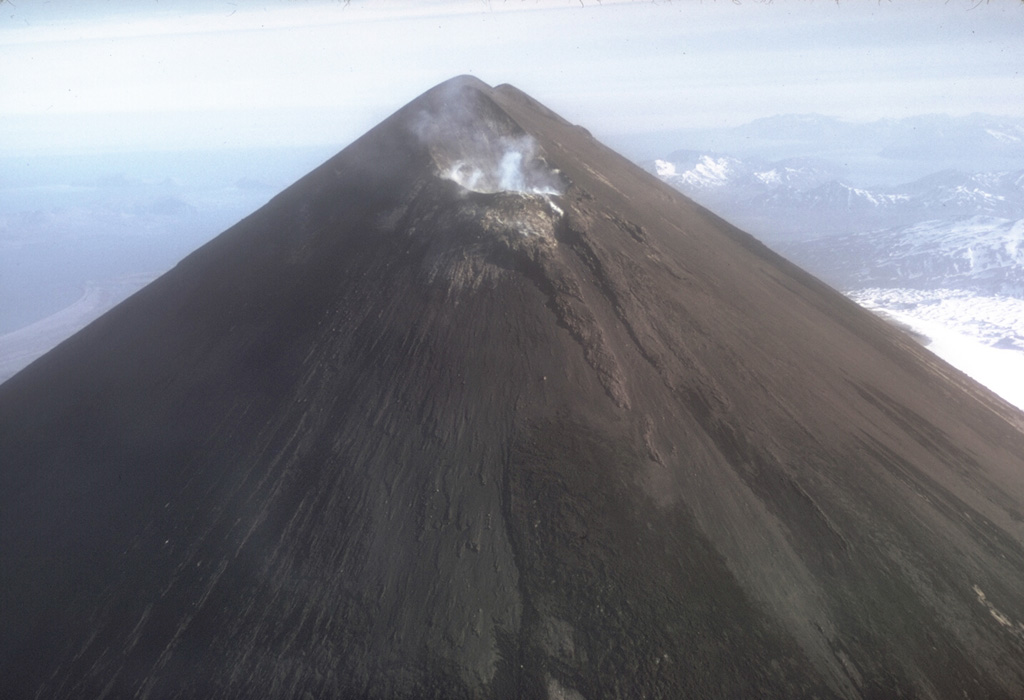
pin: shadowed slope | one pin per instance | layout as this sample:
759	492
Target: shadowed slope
479	409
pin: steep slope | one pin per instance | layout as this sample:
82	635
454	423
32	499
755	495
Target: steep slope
479	409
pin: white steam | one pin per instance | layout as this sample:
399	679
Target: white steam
476	144
515	166
511	171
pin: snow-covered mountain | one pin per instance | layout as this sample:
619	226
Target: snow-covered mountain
700	171
800	198
886	151
948	229
981	254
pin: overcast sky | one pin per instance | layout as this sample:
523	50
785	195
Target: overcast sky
108	75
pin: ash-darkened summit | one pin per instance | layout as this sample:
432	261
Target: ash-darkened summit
479	409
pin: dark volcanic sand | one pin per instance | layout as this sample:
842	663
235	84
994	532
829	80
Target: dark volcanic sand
376	441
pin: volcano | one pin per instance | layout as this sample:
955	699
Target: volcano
479	409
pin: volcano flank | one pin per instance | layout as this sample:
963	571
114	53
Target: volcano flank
479	409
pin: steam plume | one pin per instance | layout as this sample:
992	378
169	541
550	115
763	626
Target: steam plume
514	167
477	146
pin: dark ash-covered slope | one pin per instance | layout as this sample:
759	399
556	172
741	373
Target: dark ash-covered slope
563	434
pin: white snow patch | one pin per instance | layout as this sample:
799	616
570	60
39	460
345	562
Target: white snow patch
982	336
1003	136
664	168
875	198
709	172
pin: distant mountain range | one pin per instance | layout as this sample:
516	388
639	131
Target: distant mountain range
949	229
807	197
887	151
982	254
976	138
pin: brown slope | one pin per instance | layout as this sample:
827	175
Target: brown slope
375	441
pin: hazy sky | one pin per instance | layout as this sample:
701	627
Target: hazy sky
100	75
